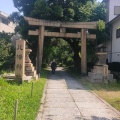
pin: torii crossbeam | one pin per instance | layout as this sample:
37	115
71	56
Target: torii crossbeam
62	25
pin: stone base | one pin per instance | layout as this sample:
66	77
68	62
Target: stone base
27	79
11	77
30	70
30	73
100	74
95	78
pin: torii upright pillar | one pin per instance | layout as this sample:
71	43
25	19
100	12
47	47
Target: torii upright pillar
62	34
83	52
40	50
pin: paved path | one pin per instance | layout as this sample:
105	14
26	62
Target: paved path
66	99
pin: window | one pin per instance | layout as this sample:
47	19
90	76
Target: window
5	21
116	10
118	33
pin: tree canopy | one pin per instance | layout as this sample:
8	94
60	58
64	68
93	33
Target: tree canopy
60	10
6	52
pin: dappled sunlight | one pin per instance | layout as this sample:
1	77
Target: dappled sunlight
65	94
108	94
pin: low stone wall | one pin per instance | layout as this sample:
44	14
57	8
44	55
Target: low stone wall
100	74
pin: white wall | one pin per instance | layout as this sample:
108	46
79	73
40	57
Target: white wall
112	3
115	43
7	28
4	27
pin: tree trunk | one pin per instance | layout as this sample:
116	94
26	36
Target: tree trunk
77	60
76	48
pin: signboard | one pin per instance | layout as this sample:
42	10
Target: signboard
20	60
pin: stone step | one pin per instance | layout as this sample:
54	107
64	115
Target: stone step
29	68
28	64
30	73
108	71
110	76
35	77
9	76
27	78
100	67
97	71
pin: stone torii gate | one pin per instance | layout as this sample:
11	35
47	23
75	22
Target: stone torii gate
84	26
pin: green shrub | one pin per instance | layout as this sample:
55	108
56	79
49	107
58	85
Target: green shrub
44	65
60	64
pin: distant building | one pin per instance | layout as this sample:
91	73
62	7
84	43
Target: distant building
113	21
5	24
115	39
113	9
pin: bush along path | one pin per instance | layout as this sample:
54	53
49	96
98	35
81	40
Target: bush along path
28	95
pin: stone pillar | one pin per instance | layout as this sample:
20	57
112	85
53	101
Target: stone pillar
40	43
83	52
20	60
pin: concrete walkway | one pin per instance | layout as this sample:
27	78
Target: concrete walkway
66	99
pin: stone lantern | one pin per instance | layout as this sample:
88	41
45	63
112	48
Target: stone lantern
29	68
100	73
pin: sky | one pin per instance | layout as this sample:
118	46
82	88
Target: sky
7	6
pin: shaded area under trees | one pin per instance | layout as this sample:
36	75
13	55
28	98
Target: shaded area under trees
7	52
61	10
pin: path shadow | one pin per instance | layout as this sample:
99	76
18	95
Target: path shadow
71	82
102	118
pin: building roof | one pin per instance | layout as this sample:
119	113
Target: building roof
102	45
4	15
115	19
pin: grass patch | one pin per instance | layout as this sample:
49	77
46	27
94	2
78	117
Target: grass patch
109	92
27	106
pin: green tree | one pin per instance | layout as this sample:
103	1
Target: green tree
62	10
6	52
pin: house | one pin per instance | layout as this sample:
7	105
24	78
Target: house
5	24
113	21
115	39
113	9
